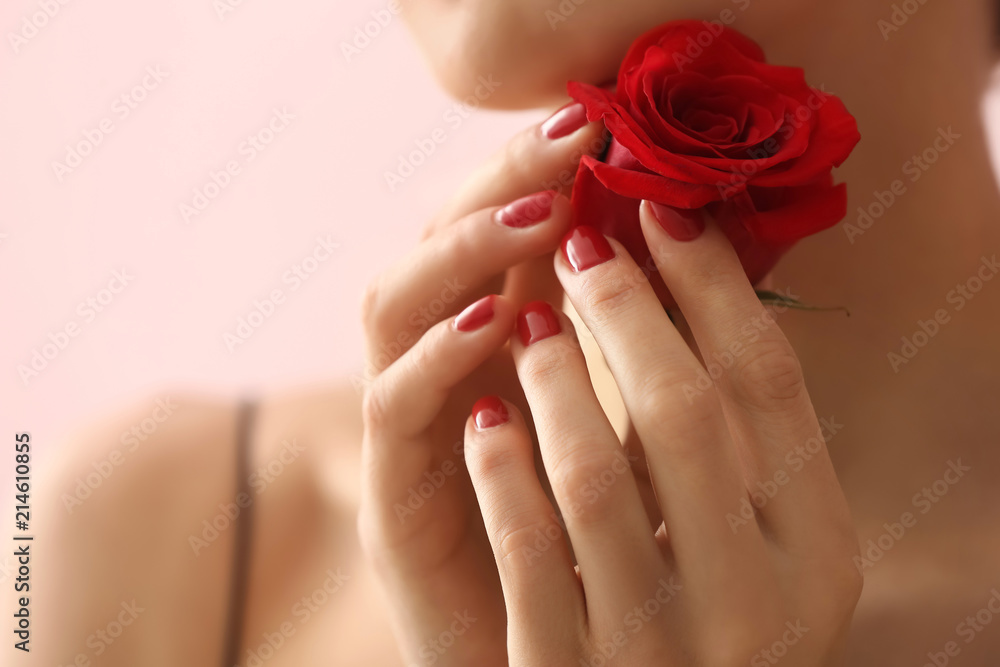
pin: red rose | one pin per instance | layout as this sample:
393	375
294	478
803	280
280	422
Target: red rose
699	119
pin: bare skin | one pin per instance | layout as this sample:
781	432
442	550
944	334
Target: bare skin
900	430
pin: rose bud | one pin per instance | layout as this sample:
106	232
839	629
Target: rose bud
700	120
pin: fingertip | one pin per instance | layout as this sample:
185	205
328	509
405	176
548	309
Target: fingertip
679	224
490	412
492	310
537	321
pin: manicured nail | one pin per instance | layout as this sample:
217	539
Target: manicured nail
565	122
681	224
537	321
489	412
528	210
585	247
477	315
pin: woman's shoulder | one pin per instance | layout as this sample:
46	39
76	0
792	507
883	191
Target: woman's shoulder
113	512
137	513
185	446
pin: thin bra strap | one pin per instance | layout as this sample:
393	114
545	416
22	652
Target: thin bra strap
243	527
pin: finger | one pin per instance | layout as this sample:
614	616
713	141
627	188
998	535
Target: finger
759	378
590	473
691	457
402	402
445	272
543	595
541	157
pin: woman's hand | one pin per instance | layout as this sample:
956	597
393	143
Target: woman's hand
719	584
419	521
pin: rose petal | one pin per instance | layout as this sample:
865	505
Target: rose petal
828	147
798	212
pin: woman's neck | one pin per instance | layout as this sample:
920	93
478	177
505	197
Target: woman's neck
912	374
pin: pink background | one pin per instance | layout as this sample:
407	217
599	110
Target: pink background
322	175
60	241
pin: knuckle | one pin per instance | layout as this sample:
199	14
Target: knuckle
607	296
769	377
546	365
673	399
493	463
516	546
586	477
424	354
712	278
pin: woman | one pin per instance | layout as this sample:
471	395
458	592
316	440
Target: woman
903	394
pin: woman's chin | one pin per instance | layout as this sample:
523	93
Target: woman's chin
480	83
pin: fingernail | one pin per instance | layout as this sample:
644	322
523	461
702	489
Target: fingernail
585	247
489	412
537	321
565	122
528	210
477	315
681	224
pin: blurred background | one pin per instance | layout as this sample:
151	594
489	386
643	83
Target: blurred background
167	167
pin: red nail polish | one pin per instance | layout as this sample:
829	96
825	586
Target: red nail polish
681	224
585	247
565	122
477	315
489	412
537	321
528	210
